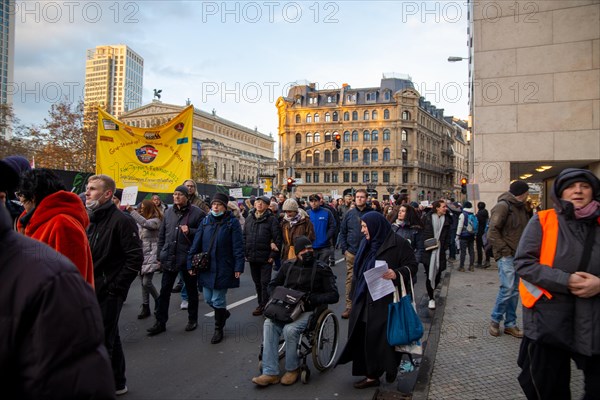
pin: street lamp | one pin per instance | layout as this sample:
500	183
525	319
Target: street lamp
455	59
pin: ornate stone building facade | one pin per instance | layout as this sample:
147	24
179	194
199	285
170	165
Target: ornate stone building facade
392	140
233	154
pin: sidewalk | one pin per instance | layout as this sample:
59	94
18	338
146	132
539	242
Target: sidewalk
470	363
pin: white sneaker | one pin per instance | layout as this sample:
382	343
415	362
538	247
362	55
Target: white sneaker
120	392
184	305
431	305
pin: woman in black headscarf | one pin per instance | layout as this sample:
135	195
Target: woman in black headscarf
367	345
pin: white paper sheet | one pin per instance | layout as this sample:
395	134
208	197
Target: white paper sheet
378	287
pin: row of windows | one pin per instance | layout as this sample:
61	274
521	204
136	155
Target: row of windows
372	136
369	156
334	117
347	176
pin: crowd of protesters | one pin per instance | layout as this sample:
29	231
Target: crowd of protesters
111	245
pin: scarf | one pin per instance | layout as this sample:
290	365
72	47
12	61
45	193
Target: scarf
379	228
294	220
588	210
434	265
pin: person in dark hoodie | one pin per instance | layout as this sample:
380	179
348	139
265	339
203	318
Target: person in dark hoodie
118	256
558	262
52	341
482	218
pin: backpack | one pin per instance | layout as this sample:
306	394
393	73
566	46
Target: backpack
471	224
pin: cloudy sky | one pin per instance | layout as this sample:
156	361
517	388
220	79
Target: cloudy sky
239	57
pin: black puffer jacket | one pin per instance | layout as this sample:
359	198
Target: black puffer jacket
259	233
173	244
116	250
52	343
324	289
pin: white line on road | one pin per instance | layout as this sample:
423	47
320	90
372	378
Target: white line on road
229	307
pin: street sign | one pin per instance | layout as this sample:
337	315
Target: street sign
473	192
298	181
236	192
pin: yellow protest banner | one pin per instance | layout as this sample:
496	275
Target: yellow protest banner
155	159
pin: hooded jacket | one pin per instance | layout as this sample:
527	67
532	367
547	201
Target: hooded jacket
259	233
289	233
507	222
461	228
52	343
565	320
60	221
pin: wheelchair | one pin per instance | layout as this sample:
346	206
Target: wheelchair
319	339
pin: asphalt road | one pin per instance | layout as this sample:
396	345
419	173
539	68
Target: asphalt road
185	365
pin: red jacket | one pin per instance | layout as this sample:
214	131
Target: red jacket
60	221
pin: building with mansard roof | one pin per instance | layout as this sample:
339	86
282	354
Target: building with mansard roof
235	155
391	141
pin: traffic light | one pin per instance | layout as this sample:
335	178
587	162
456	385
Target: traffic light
338	141
290	184
463	185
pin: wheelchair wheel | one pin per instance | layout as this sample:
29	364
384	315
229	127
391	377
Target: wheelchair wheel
305	375
325	341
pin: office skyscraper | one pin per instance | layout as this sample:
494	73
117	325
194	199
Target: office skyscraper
7	48
113	79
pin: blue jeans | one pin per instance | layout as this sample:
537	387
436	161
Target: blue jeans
272	331
215	298
508	295
184	295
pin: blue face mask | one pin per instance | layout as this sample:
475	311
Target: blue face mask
216	214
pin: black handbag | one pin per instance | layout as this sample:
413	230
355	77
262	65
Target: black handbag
201	261
285	304
431	244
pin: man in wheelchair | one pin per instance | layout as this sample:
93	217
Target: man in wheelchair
314	278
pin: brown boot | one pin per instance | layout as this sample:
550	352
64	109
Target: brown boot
265	380
346	313
290	377
494	329
514	331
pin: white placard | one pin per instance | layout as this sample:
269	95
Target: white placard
378	287
236	192
129	196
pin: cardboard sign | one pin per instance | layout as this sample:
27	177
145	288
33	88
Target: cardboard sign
129	196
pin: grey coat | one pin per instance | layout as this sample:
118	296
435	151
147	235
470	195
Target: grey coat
149	235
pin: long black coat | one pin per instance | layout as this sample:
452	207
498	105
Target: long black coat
367	345
428	234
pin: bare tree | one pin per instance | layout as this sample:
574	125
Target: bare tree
201	171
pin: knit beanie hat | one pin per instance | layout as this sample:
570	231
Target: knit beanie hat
183	190
518	188
301	243
11	169
220	198
290	205
571	175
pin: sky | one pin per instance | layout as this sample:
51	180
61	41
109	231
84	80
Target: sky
239	57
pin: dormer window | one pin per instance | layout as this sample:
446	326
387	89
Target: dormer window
371	97
312	100
387	95
351	98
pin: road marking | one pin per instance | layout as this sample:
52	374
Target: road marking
340	260
237	303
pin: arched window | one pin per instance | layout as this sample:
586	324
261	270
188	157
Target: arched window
355	136
298	157
298	138
308	118
327	137
346	155
404	155
317	158
317	118
405	115
317	137
386	114
354	155
404	135
327	156
366	156
386	154
375	135
346	116
335	116
354	115
327	117
366	115
309	138
335	156
366	136
374	115
346	136
386	134
297	118
309	158
374	155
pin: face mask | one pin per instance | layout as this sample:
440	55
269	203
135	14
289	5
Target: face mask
92	204
216	214
308	258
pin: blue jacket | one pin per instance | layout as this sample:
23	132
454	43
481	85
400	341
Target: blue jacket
324	223
226	255
350	234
